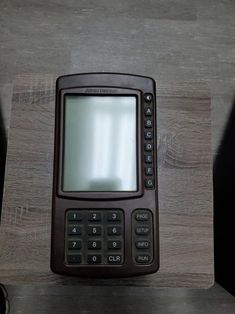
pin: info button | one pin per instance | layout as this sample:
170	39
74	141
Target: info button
142	244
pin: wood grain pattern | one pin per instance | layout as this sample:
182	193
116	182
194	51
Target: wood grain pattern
185	188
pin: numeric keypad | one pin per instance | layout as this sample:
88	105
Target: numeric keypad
94	237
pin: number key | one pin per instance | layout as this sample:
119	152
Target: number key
114	216
114	230
114	244
74	230
94	230
94	245
74	216
73	244
94	216
94	259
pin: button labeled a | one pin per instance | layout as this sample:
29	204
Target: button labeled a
148	111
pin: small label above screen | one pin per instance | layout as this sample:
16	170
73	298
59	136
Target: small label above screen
100	143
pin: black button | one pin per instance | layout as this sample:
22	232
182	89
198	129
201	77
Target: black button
149	183
148	158
94	216
74	259
74	230
142	230
148	111
148	97
114	259
114	244
148	135
142	244
74	244
94	259
94	245
149	171
114	230
94	230
142	216
148	147
148	123
143	258
74	216
114	216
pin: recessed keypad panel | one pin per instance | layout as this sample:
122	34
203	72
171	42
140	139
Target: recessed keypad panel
94	237
142	236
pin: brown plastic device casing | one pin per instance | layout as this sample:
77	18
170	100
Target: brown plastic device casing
104	84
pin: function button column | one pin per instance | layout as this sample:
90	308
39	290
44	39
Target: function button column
142	236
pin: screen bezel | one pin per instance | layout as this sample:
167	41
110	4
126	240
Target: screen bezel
98	91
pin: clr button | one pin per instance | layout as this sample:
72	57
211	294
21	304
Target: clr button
114	259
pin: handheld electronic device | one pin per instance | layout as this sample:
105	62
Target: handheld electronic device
105	200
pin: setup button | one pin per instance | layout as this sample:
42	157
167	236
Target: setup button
142	230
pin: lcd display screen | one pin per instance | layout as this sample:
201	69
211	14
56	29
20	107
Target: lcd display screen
100	143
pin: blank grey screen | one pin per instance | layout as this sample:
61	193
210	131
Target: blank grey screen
100	143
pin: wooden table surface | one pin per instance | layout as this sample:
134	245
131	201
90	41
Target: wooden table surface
185	188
